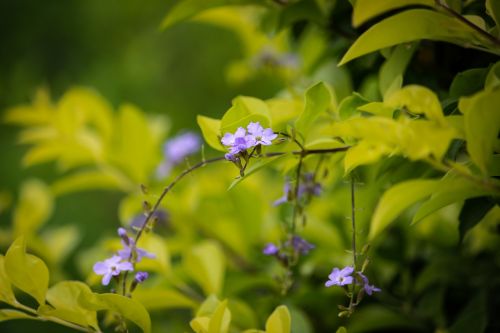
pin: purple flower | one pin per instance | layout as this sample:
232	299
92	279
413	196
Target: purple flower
111	267
286	194
340	277
180	146
141	276
369	289
239	141
300	245
262	136
270	249
140	253
308	186
176	150
160	216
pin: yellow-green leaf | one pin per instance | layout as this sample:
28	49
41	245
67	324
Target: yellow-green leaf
220	319
64	300
26	272
398	198
206	265
367	9
418	100
89	180
493	7
210	128
279	321
157	245
34	207
127	307
365	152
8	314
6	293
394	68
317	100
162	299
482	124
411	25
243	111
449	192
493	77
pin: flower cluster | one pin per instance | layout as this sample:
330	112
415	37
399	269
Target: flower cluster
296	244
176	150
122	260
308	187
345	276
253	136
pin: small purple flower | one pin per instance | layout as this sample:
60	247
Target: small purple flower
300	245
161	216
286	194
176	150
141	276
111	267
340	277
270	249
262	136
127	248
369	289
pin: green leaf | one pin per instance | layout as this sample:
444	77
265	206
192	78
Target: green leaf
317	100
450	191
419	100
136	145
365	152
398	198
206	265
219	322
468	82
6	293
245	110
64	300
394	68
409	26
279	321
162	299
127	307
213	316
210	128
473	211
482	124
341	329
88	180
8	314
493	8
377	109
349	105
157	245
26	272
493	78
367	9
473	317
33	209
186	9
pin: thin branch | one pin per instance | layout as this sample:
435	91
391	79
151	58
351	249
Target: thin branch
167	189
353	221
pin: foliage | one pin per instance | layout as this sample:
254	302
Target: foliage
422	163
